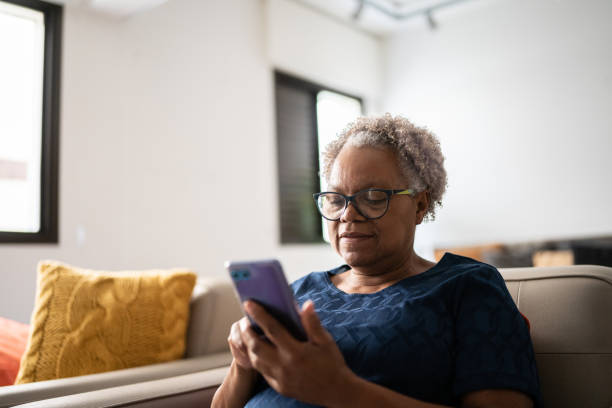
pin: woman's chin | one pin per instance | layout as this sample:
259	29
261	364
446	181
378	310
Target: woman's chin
355	257
356	252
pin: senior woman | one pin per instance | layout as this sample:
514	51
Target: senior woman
391	329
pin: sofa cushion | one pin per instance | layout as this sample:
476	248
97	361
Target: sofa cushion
569	308
87	321
214	307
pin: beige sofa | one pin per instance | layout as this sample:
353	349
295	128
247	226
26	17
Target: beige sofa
213	307
570	310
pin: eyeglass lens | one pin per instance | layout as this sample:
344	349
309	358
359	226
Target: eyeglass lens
370	203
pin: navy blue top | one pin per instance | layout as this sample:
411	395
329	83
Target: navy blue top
433	336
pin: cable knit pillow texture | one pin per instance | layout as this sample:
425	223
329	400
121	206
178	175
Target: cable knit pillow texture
87	322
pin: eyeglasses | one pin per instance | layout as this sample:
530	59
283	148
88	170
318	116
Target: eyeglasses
372	203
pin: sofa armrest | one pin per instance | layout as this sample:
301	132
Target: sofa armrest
22	393
188	390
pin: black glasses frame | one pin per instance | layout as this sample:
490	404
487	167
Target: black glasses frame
351	198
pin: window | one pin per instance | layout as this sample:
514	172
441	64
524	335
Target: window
308	116
30	39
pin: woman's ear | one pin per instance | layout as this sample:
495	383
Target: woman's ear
422	202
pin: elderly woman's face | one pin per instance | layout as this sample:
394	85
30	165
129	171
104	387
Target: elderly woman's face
380	243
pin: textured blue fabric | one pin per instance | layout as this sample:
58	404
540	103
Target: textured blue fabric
434	336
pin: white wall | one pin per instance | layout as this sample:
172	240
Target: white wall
91	157
203	136
520	94
302	42
168	141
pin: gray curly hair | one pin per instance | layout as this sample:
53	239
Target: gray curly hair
418	150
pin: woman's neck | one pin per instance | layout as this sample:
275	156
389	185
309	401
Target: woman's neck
371	279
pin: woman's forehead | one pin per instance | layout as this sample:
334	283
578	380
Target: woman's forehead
365	167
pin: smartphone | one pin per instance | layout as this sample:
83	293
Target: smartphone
264	282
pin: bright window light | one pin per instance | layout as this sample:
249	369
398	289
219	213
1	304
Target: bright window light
22	33
334	112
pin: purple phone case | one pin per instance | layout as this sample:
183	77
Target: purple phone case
265	283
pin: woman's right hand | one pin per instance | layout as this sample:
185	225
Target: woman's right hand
237	345
238	385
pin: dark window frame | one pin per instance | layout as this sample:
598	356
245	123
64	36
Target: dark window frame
50	127
312	89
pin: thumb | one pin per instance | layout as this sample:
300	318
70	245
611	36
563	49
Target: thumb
315	331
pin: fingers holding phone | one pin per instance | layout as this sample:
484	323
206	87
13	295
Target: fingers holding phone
237	344
238	385
274	331
310	371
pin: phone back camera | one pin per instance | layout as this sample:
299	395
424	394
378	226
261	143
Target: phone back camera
241	274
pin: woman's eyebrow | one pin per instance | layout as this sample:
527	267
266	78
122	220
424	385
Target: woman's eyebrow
364	187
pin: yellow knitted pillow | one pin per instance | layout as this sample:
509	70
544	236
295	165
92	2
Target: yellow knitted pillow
87	322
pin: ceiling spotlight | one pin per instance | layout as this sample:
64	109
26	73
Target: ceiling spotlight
430	20
359	9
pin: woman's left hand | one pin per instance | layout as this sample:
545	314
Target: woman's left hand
313	371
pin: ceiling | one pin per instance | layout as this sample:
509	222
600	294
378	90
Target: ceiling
379	17
117	8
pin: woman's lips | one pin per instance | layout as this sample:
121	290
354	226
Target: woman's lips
355	236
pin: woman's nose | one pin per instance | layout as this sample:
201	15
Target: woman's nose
350	213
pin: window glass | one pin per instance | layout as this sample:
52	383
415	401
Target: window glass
308	117
334	112
22	34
